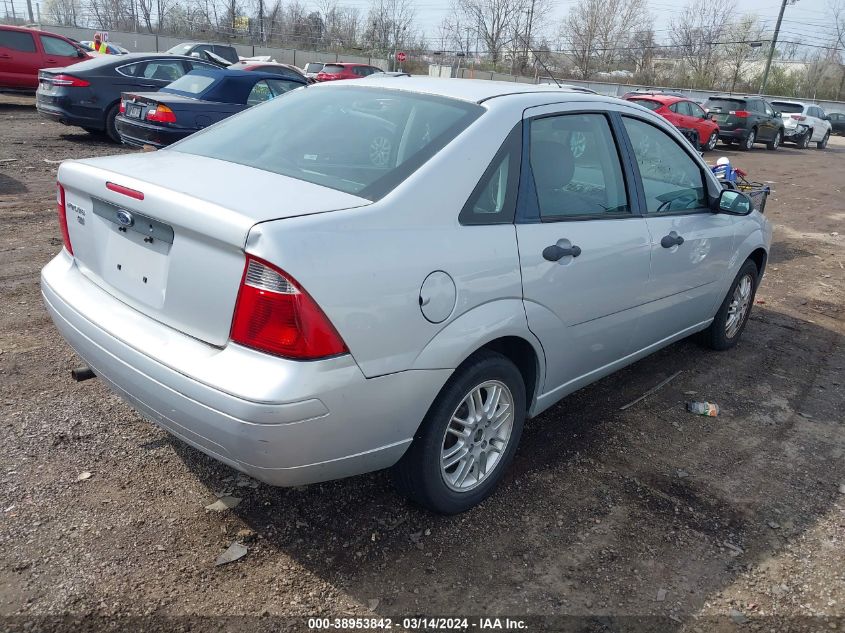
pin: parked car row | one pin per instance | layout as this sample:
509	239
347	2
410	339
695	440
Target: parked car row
742	120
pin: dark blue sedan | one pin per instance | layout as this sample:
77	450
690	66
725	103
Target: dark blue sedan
193	102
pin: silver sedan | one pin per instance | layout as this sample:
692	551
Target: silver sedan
356	277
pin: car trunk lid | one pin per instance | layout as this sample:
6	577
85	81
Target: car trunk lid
165	232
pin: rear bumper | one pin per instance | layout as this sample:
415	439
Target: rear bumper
281	421
736	135
138	134
61	110
794	132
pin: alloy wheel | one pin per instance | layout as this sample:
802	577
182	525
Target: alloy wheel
380	151
711	144
738	308
749	142
477	436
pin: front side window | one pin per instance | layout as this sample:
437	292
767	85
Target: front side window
56	46
17	41
576	167
696	110
672	180
364	141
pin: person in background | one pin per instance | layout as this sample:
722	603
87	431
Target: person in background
99	45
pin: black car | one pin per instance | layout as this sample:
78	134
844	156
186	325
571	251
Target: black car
837	120
219	54
746	120
193	102
88	93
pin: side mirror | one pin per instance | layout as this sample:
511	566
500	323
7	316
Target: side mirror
733	202
81	54
708	115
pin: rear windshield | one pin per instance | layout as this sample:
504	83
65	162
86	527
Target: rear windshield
332	69
725	105
190	84
363	141
789	108
647	103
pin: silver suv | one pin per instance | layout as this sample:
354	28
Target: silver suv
357	277
804	123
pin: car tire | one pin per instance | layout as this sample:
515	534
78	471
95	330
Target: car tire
804	141
748	142
422	474
822	144
775	142
726	328
711	142
111	127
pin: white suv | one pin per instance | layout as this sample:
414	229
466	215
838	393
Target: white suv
804	123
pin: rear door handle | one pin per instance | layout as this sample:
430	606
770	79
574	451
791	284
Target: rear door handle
554	252
673	239
51	60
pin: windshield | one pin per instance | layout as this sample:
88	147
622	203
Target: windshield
363	141
788	108
190	84
647	103
180	49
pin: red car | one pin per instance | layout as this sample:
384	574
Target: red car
346	70
23	52
686	115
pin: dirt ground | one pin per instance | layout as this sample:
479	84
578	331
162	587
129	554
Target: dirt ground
645	519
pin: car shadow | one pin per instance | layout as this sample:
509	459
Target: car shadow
603	508
11	186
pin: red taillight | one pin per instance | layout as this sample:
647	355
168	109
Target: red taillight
122	106
69	80
274	315
62	212
740	114
126	191
799	117
162	114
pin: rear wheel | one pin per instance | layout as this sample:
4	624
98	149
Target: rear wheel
710	145
730	320
468	437
775	142
111	128
823	143
748	143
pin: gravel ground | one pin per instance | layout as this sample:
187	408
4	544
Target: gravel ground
648	518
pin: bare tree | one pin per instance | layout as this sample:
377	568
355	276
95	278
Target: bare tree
63	12
698	35
492	20
739	54
390	26
596	32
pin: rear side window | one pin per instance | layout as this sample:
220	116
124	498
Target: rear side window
576	167
17	41
259	94
647	103
281	86
363	141
130	70
672	180
493	201
164	70
56	46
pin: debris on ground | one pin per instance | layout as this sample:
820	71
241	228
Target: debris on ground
223	504
654	389
738	617
708	409
236	551
661	595
83	476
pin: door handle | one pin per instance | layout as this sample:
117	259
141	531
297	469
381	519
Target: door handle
673	239
5	56
51	60
554	252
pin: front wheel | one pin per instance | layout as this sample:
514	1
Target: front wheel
730	320
748	143
775	142
711	142
804	141
468	437
822	144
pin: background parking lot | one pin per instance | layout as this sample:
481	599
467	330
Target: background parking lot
650	511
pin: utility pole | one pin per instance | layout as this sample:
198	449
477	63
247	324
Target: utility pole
774	43
29	11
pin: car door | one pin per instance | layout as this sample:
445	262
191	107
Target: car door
772	122
20	60
690	246
583	248
697	120
58	52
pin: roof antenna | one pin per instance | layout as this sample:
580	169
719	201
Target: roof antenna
537	57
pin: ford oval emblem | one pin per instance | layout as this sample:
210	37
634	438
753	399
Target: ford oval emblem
124	218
